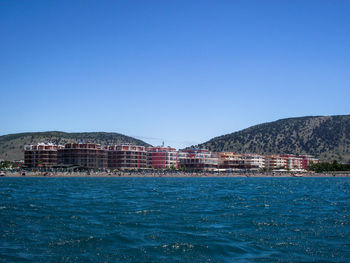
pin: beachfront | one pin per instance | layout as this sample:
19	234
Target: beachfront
127	156
172	174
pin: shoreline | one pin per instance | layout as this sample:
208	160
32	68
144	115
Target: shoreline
172	175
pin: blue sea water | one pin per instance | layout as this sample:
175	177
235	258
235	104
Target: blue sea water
175	220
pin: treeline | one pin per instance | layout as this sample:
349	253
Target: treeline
329	167
9	165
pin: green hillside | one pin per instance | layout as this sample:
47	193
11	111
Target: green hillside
326	137
11	145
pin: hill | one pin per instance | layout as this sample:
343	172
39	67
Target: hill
326	137
11	145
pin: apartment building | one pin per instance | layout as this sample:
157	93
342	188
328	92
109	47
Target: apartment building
253	161
234	161
88	155
273	162
307	160
127	156
41	155
230	161
161	157
292	162
198	159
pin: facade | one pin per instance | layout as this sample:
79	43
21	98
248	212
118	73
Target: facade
161	157
127	156
230	161
234	161
297	162
292	162
88	155
41	155
274	162
307	160
289	161
198	159
253	161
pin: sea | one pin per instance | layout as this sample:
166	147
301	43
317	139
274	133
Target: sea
174	220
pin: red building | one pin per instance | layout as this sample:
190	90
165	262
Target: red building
41	155
161	157
292	162
297	162
306	160
127	156
88	155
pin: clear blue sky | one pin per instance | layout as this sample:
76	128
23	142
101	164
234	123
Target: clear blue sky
181	71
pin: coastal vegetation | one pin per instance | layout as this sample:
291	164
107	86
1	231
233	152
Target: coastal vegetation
329	167
4	165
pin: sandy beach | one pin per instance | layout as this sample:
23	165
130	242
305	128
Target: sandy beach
170	175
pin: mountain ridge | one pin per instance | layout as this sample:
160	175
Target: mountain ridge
11	145
325	137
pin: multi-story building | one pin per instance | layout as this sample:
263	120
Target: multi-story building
127	156
161	157
234	161
273	162
292	162
253	161
88	155
198	159
298	162
41	155
230	161
307	160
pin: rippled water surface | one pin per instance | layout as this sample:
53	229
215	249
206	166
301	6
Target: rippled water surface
175	220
